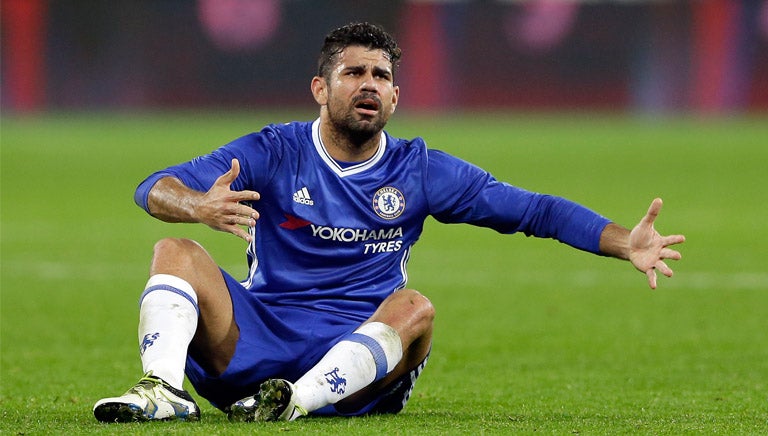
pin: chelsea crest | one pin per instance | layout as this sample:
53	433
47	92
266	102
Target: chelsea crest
388	203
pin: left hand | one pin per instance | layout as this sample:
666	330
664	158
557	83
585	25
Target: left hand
648	249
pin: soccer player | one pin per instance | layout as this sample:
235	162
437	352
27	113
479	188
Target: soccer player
324	323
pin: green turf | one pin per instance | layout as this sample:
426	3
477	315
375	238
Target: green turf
530	336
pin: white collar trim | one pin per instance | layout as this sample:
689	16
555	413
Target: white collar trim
331	162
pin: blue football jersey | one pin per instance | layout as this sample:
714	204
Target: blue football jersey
337	236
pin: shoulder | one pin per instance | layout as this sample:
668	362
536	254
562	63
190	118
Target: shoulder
292	132
419	145
413	148
289	129
439	160
275	137
433	160
416	142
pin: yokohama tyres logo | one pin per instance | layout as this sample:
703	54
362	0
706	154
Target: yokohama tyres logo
373	240
342	234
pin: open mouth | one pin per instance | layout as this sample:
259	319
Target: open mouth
367	106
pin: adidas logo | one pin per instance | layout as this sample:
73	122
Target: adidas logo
302	197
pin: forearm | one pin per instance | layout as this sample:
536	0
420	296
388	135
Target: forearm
171	201
614	241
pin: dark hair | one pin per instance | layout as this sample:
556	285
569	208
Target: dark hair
364	34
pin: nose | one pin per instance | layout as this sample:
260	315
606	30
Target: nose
369	84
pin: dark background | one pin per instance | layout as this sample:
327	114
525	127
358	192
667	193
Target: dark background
706	56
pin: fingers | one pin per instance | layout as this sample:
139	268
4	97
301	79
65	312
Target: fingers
651	249
238	225
242	234
651	274
230	176
227	210
239	232
668	253
246	218
653	212
239	214
238	196
672	240
661	266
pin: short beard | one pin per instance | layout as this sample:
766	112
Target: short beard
357	132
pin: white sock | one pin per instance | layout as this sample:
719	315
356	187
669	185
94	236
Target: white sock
167	322
365	356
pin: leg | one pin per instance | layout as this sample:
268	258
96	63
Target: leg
214	342
186	308
407	315
355	371
411	315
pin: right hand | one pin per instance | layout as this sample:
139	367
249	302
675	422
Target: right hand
221	209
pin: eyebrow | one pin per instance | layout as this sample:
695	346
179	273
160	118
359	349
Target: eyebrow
386	72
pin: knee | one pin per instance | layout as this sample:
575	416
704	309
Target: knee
414	323
419	305
175	245
177	249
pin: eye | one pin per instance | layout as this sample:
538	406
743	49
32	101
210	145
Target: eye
383	74
353	72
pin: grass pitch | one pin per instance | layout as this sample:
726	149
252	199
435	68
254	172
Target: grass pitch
531	336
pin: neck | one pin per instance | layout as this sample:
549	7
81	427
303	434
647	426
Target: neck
345	148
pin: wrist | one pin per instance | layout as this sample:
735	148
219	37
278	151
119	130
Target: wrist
614	241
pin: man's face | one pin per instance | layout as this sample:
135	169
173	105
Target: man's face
359	94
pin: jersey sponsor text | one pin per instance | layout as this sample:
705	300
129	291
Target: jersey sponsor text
343	234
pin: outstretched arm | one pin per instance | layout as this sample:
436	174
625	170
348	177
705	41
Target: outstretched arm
643	246
220	208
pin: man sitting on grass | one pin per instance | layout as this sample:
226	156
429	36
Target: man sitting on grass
324	324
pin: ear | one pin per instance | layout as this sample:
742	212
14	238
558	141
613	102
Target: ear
319	90
395	97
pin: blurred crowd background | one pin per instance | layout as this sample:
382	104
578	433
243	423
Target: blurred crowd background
703	56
